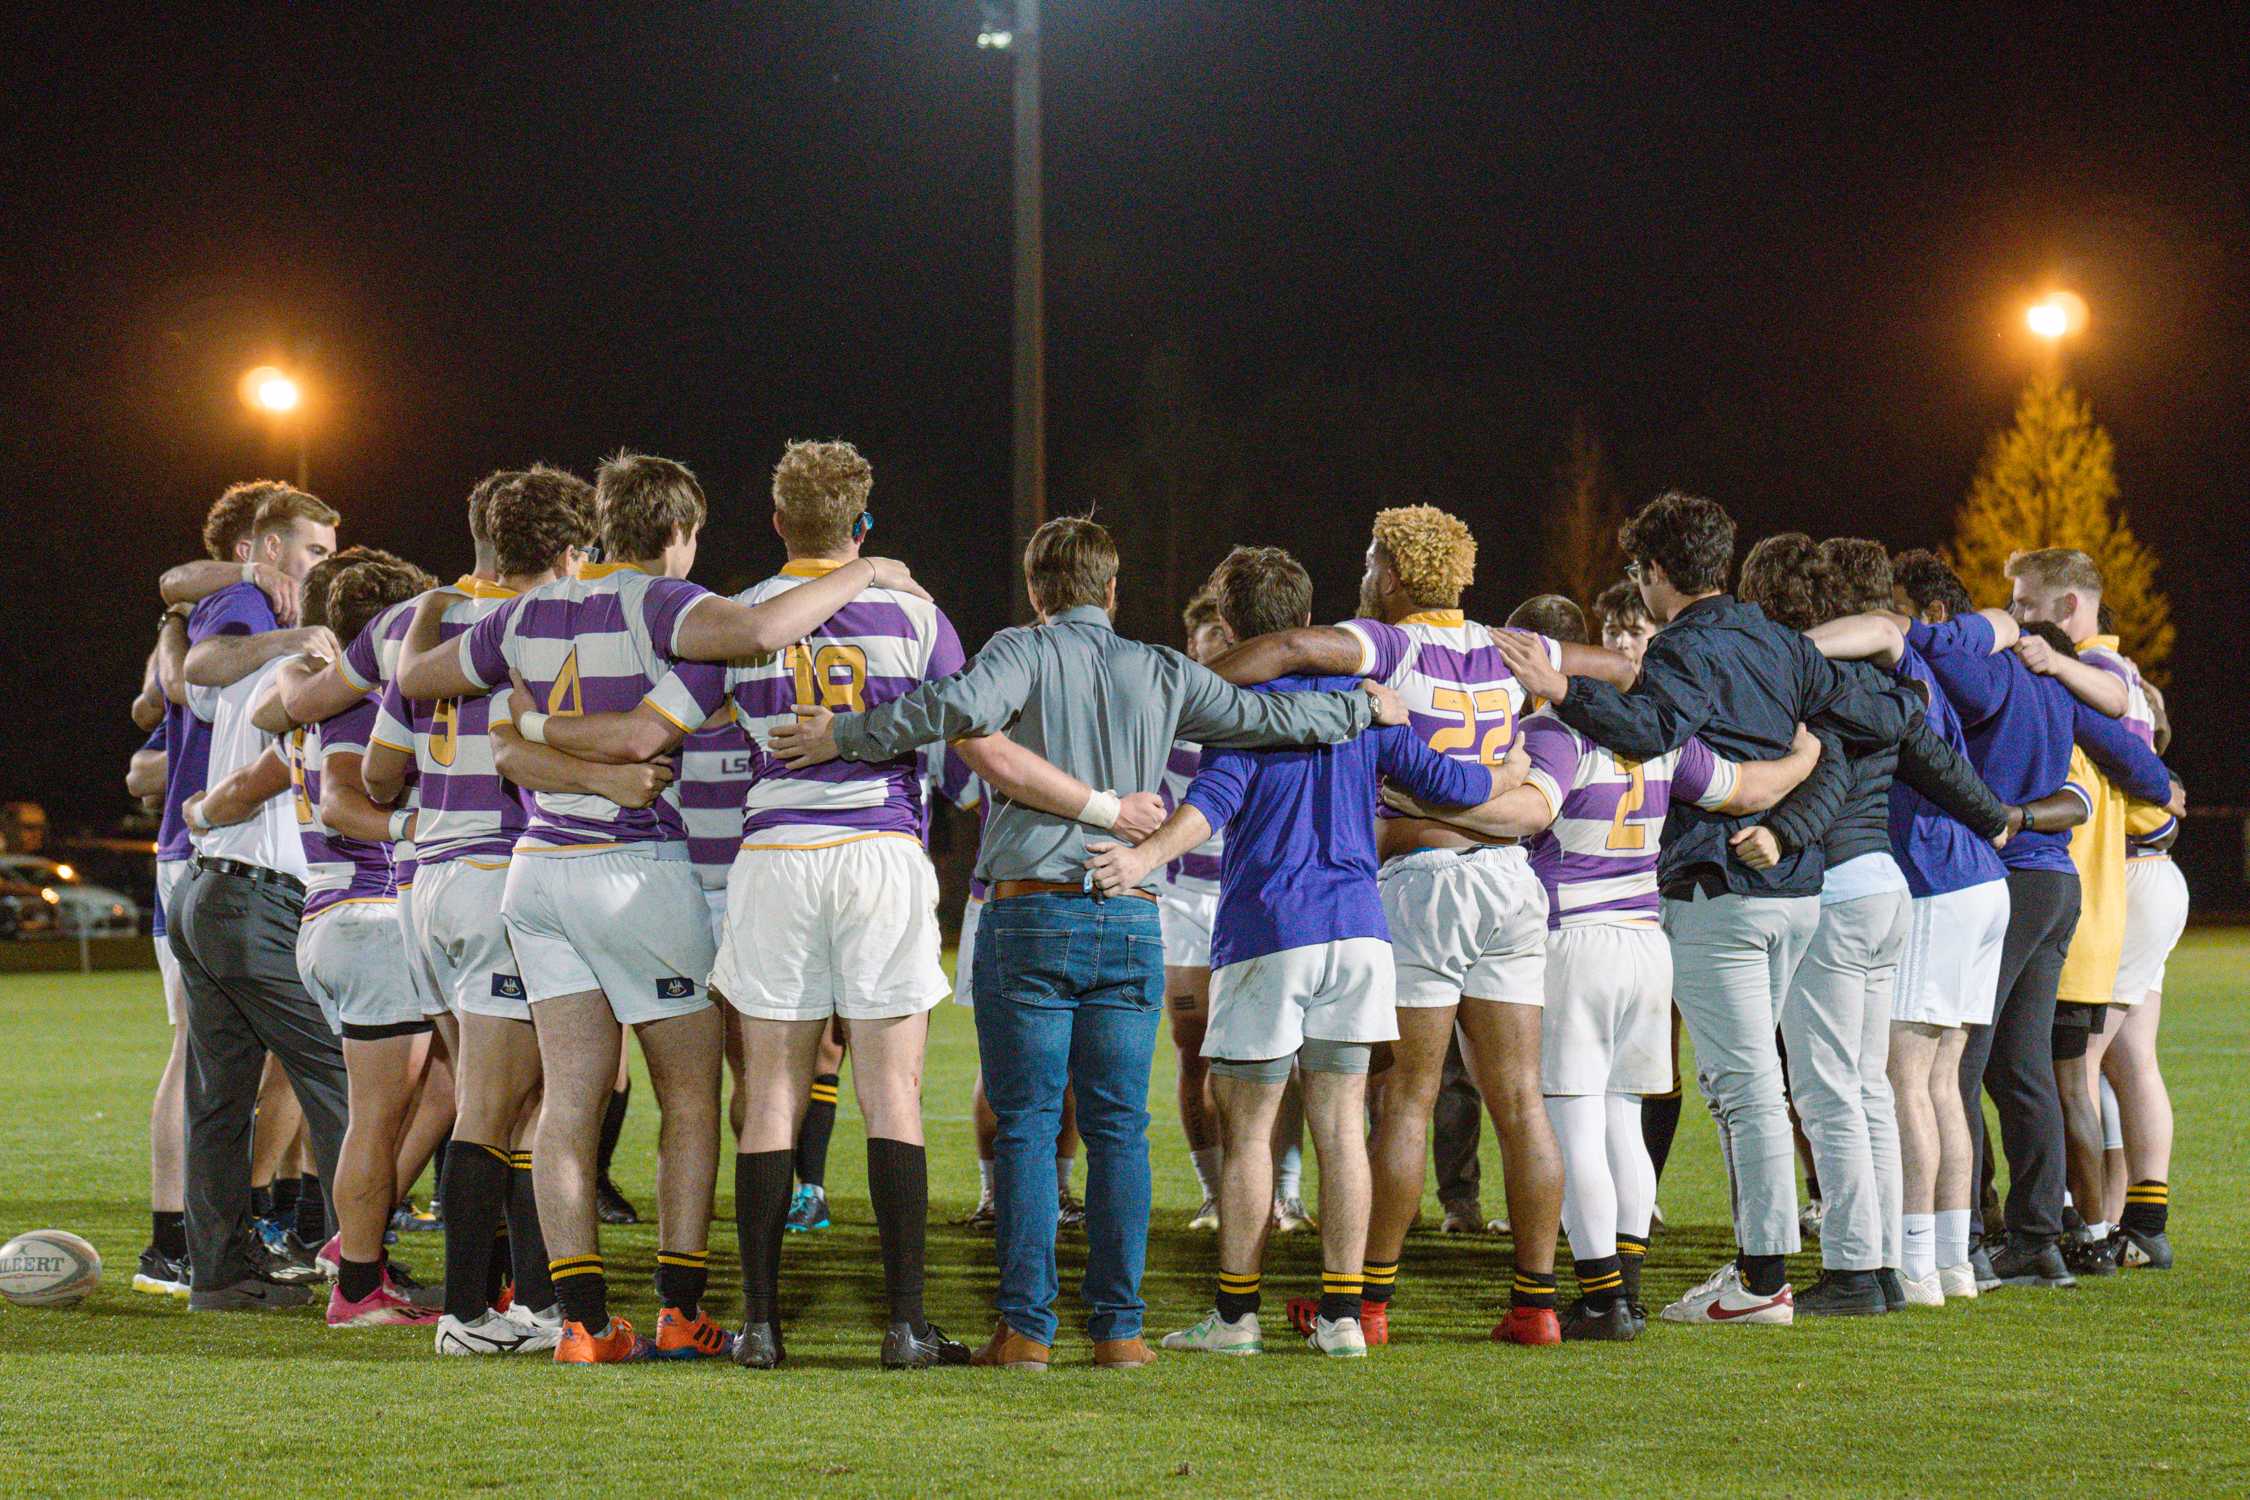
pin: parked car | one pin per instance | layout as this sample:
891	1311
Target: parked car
27	911
81	908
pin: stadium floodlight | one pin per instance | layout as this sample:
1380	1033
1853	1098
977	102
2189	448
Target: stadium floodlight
270	390
998	30
2056	316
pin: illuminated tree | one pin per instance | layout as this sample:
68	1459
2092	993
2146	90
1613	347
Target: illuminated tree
2051	481
1582	553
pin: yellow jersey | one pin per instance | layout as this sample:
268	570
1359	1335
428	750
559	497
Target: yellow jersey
2097	848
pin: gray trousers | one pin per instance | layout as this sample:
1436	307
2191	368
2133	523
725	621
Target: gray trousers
236	941
1732	958
1836	1025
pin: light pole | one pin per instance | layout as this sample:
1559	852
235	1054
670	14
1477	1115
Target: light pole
276	393
1020	39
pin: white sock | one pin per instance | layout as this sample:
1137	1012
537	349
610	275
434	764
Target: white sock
2094	1234
984	1175
1952	1236
1289	1176
1063	1165
1920	1252
1207	1170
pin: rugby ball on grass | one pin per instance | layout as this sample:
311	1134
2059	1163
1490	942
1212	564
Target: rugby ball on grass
48	1268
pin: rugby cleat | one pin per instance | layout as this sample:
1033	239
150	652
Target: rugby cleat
1529	1326
808	1210
1069	1212
1980	1268
1462	1218
1722	1298
161	1275
612	1206
1924	1291
1843	1294
1808	1219
287	1265
488	1333
1957	1282
385	1307
983	1218
545	1326
1341	1339
1289	1216
1614	1324
2100	1257
904	1349
407	1219
758	1347
1215	1335
679	1336
615	1345
1206	1217
250	1294
2149	1250
2032	1265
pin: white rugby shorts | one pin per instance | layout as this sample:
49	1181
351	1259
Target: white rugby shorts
168	875
352	959
848	929
632	925
456	906
1266	1007
2156	913
1607	1028
1466	922
1186	913
1949	971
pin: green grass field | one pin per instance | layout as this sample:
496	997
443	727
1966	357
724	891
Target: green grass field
2124	1387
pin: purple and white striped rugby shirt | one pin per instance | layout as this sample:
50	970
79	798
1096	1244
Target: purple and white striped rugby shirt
467	811
338	869
1197	871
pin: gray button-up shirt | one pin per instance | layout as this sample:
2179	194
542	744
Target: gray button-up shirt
1103	708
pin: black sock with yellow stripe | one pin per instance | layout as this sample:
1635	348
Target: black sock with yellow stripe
527	1242
812	1136
1238	1295
584	1290
1376	1279
1339	1294
478	1178
2148	1205
1601	1281
1532	1289
1632	1250
681	1276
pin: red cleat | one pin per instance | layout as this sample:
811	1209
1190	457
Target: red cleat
1375	1322
1529	1325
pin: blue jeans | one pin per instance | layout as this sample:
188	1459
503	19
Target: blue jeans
1069	992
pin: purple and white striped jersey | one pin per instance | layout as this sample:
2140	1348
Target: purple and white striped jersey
1461	699
715	774
466	810
874	649
338	869
1598	859
370	663
1197	871
595	643
2139	719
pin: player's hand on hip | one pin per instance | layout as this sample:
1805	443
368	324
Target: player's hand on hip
890	573
1139	814
811	741
1116	868
1757	848
1527	659
1390	708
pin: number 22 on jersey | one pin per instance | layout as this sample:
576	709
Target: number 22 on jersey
1498	740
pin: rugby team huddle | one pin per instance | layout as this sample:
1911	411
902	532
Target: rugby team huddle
430	850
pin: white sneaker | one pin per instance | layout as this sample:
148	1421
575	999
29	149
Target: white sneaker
1338	1340
1289	1216
488	1333
1215	1335
1926	1291
1722	1298
1957	1281
1809	1217
545	1328
1206	1217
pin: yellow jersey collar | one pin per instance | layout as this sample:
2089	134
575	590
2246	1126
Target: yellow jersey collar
589	572
813	567
1450	618
481	588
2099	643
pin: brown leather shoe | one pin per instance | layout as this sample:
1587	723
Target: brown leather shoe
1122	1354
1010	1350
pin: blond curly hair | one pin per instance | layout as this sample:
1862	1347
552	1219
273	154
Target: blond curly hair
819	491
1433	553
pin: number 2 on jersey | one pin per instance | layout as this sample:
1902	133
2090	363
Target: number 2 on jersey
1625	835
1497	741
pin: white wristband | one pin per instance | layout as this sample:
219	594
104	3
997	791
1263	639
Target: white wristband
1101	809
401	821
533	727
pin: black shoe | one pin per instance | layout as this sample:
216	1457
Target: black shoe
250	1294
758	1346
415	1290
2095	1257
1893	1290
904	1349
1640	1316
160	1274
1980	1266
2039	1265
1613	1324
612	1206
289	1265
1843	1294
2149	1250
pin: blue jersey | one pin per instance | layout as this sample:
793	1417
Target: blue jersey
1938	852
238	609
1299	867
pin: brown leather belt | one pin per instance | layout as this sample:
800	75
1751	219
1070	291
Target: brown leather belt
1002	890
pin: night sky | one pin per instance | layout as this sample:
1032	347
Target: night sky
1779	262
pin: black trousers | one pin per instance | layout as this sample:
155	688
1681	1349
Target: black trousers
236	941
2013	1059
1455	1126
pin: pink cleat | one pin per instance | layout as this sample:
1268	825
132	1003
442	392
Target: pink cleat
385	1307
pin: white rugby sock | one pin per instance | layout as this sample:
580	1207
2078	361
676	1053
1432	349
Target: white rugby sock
1629	1165
1207	1170
1589	1207
1920	1251
1952	1236
1289	1175
984	1175
1063	1165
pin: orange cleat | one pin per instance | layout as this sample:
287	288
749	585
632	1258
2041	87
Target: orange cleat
618	1346
1374	1319
1527	1325
507	1297
680	1337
